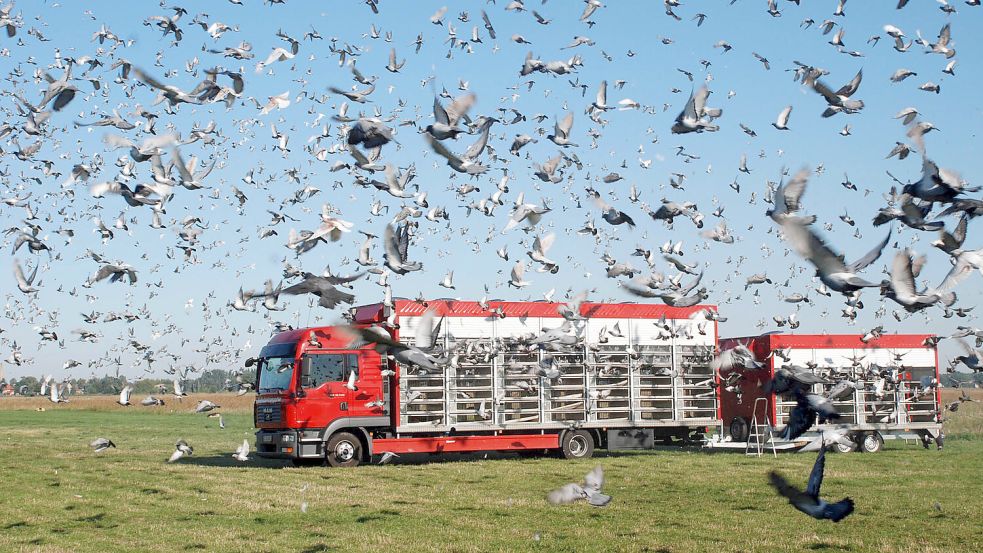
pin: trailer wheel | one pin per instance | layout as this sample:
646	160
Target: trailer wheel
871	442
577	444
344	449
739	429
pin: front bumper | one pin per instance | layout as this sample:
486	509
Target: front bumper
288	444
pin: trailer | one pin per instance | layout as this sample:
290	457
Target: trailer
896	393
621	375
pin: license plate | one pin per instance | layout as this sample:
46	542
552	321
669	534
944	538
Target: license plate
267	439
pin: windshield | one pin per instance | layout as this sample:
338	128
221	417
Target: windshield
275	373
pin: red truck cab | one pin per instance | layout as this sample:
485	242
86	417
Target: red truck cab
303	395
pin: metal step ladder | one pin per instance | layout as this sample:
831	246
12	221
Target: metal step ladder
761	432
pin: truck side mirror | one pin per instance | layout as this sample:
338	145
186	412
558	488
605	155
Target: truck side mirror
305	371
250	362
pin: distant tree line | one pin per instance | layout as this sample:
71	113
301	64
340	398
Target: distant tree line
955	380
210	381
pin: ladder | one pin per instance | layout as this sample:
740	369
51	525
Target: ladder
761	432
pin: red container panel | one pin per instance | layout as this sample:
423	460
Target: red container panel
442	444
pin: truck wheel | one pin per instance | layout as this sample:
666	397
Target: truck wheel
578	444
343	450
871	442
841	448
739	429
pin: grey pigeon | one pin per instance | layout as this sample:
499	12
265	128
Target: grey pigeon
101	444
591	491
181	448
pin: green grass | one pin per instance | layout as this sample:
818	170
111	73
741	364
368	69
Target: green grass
57	495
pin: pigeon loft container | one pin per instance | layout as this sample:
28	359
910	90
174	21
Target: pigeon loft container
895	395
619	366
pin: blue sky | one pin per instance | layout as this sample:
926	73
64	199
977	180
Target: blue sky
629	33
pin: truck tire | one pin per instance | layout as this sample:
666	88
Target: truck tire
344	449
739	429
840	448
577	444
871	442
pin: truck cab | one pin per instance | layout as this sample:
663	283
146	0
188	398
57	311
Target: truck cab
310	384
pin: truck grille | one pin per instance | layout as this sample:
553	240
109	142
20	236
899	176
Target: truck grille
270	413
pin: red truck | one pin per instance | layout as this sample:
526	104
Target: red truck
513	376
887	387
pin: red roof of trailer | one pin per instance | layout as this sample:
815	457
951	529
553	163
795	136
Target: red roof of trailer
837	341
455	308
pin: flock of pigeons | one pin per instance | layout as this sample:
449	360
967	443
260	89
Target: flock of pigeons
153	172
151	111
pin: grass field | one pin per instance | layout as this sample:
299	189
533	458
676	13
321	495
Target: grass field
57	495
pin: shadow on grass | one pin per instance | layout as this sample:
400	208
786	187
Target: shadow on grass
826	546
423	458
431	458
228	461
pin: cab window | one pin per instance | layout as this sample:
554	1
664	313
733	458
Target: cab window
331	367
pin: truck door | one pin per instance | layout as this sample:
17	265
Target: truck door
367	400
323	381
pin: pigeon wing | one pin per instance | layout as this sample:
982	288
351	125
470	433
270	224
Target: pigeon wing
566	494
441	150
518	270
458	108
597	499
839	510
424	336
871	256
826	92
816	476
390	242
811	247
594	479
902	277
959	234
783	116
566	125
543	244
784	488
849	88
800	419
602	94
479	145
403	242
689	112
310	285
689	287
792	191
700	100
957	274
439	113
19	274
